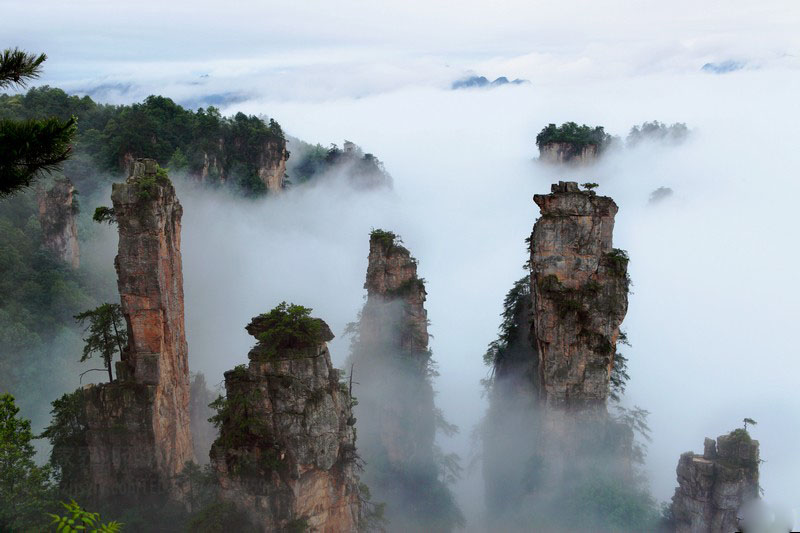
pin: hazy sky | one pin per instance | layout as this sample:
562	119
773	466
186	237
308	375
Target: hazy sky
713	317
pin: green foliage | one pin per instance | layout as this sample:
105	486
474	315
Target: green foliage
749	421
589	186
617	260
31	147
157	128
311	162
236	418
18	67
67	436
513	306
657	131
607	504
79	519
107	333
572	133
25	488
288	326
219	517
105	214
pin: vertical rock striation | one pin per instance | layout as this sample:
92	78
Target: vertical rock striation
272	164
548	431
57	210
564	152
138	433
580	295
714	486
286	450
398	419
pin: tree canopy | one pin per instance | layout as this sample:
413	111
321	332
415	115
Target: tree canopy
572	133
31	146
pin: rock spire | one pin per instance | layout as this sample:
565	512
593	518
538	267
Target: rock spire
286	451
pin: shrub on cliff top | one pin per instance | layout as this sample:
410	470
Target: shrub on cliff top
286	327
572	133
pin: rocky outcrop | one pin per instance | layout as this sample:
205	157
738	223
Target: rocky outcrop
564	152
713	487
286	450
58	207
580	295
272	165
398	419
138	426
548	431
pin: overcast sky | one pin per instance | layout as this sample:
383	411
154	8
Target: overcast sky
713	317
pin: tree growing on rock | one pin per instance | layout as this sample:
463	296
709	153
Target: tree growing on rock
25	489
106	333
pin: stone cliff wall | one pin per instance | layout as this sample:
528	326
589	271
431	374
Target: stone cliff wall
562	152
138	427
713	487
397	416
286	450
57	210
272	165
580	295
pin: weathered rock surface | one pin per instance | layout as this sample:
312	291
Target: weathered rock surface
286	451
714	486
57	210
272	165
396	411
580	295
563	152
138	427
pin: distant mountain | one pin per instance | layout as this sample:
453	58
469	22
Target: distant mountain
723	67
481	81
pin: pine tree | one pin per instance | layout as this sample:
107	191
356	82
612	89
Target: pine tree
29	148
107	335
25	489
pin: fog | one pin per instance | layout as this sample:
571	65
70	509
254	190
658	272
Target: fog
714	304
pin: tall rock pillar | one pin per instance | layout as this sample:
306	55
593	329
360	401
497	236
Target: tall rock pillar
286	451
57	209
579	287
138	426
713	487
397	416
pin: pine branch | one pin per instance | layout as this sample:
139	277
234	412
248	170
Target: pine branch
30	147
18	66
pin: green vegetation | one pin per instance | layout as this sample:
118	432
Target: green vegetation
79	519
657	131
107	333
105	214
288	327
749	421
30	146
157	128
67	436
312	161
25	488
147	185
572	133
514	314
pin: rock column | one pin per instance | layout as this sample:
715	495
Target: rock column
286	450
57	210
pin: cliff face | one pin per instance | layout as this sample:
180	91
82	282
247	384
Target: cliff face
548	432
57	209
272	165
286	450
397	416
138	427
713	487
580	295
562	152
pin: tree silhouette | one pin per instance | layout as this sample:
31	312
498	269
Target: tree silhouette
107	333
